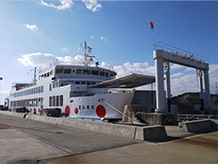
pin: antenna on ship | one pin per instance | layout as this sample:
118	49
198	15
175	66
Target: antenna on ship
34	75
87	58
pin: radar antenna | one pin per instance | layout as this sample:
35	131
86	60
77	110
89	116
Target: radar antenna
87	58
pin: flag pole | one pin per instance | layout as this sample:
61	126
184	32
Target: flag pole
153	36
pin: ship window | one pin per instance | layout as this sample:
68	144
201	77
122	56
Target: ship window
41	88
79	106
50	87
83	82
59	71
77	82
92	106
85	71
61	100
50	101
78	71
87	107
67	71
106	74
57	101
83	106
94	72
101	73
53	101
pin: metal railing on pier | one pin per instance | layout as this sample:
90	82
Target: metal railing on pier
190	117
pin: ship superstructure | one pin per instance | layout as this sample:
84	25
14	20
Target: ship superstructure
81	91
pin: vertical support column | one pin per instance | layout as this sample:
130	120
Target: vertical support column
200	74
160	97
168	90
207	89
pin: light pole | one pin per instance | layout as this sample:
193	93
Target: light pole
1	78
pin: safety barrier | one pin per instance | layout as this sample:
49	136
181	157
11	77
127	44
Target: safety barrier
190	117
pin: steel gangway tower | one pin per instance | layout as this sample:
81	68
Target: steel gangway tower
163	55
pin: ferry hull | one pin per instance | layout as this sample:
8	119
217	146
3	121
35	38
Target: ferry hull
101	106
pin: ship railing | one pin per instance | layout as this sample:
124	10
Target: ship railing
191	117
178	51
121	90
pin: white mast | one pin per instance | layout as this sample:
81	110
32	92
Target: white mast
87	58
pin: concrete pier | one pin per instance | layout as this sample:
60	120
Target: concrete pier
27	140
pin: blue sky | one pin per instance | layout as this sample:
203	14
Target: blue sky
37	32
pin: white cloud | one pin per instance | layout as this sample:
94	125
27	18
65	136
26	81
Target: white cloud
128	68
45	59
31	27
78	60
64	4
181	81
37	59
92	5
102	38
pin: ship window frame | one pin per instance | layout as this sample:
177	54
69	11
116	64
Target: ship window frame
86	71
59	71
67	71
57	101
95	72
78	71
102	73
50	100
61	100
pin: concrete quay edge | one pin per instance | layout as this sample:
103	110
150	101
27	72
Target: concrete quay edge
143	133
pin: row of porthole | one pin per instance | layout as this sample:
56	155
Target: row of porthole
100	111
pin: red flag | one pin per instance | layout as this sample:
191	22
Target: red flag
151	25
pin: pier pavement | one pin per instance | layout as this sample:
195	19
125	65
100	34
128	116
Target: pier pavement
25	141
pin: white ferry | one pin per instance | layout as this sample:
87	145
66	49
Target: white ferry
80	91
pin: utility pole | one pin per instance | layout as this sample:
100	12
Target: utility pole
216	87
